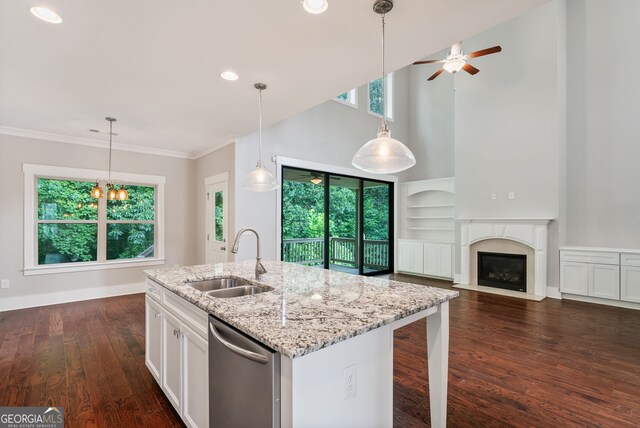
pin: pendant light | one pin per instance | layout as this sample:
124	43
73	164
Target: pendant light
383	155
260	180
112	194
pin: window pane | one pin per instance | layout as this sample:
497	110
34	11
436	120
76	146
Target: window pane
375	96
343	97
129	241
139	206
219	215
66	200
65	243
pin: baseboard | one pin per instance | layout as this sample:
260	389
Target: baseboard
68	296
500	292
616	303
457	278
554	293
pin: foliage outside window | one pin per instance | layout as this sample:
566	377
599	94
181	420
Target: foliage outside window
70	220
219	216
66	230
375	96
349	98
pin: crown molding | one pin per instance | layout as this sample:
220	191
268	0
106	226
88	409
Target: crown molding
40	135
225	142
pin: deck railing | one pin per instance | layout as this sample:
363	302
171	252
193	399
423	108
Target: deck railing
310	251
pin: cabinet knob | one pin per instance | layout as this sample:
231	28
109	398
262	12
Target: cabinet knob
157	315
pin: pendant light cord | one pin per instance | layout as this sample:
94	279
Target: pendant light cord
384	106
260	126
110	144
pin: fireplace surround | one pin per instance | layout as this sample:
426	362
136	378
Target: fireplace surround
517	236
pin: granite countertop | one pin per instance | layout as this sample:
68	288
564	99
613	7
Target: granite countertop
309	308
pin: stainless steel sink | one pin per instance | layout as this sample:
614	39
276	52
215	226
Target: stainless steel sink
218	284
242	290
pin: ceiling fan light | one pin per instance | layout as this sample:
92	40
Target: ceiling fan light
454	65
260	180
316	180
315	7
384	155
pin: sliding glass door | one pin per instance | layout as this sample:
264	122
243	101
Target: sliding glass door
337	222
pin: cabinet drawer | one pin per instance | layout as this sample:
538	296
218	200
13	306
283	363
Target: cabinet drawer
188	313
154	290
628	259
600	257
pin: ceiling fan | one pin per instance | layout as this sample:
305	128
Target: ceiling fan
457	60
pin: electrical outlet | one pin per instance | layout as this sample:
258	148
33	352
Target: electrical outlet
512	195
350	380
494	196
4	283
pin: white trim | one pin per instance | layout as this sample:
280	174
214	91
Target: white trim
31	171
553	292
456	278
209	227
217	146
500	292
608	302
67	296
88	266
59	138
223	176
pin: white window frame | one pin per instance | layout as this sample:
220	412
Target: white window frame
31	174
388	96
352	98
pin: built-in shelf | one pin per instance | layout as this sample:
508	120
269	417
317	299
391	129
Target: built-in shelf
428	210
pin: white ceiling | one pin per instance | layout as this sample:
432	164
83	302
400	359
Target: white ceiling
155	65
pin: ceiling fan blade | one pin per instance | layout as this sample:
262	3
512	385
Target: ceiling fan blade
470	69
429	61
436	74
487	51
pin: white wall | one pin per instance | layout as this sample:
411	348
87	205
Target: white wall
330	133
38	290
603	129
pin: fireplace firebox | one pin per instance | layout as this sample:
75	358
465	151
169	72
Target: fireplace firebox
501	270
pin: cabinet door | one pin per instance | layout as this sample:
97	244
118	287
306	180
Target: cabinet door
630	284
153	337
195	378
431	259
171	359
574	278
445	260
410	255
604	281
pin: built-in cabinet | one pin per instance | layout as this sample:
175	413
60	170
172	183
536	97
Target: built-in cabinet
602	273
177	353
427	236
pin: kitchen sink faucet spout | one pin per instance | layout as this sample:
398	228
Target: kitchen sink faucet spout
259	267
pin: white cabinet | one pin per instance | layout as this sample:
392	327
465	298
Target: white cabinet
425	258
177	353
590	273
574	278
604	281
410	256
153	332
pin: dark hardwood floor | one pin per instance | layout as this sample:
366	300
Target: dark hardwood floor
512	363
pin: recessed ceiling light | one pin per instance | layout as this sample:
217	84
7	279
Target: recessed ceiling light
229	75
315	7
46	15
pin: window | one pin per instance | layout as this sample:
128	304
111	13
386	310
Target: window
68	230
375	97
349	98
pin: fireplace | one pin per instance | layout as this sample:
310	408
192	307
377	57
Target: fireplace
501	270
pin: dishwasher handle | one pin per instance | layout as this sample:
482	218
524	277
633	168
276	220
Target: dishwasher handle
253	356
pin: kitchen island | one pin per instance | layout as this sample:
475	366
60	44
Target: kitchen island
326	324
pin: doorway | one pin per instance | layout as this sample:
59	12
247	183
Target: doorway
217	219
337	222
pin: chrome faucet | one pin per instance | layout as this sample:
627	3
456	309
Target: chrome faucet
259	267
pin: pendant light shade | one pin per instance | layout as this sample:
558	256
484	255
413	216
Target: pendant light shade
97	192
260	180
383	154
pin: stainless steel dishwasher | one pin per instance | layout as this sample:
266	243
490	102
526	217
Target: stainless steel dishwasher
244	380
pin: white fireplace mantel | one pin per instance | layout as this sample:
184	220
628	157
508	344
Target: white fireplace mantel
529	231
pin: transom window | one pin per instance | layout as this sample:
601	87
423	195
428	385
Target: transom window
375	96
66	229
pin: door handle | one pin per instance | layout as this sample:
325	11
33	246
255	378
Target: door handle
223	248
253	356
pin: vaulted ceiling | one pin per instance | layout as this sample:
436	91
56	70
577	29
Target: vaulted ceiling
155	65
